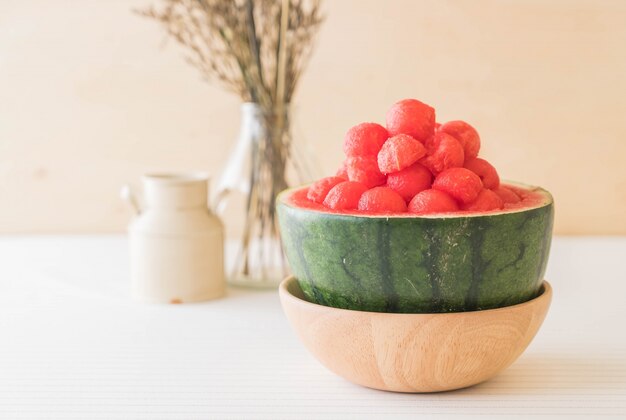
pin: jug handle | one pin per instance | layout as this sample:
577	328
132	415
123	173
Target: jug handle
218	204
127	193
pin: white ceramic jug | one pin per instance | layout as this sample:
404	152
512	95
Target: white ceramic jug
176	242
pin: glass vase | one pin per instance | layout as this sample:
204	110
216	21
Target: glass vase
264	162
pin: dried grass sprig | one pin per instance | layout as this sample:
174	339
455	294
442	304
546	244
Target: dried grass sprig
239	42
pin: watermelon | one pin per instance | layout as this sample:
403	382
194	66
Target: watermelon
485	200
485	170
444	152
399	152
407	263
344	196
410	181
462	184
319	190
507	195
432	201
365	139
365	170
412	117
465	134
381	200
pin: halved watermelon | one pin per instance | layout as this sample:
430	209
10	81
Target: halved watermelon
459	261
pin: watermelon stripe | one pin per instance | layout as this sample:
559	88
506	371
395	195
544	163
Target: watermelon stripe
478	267
352	277
434	247
545	248
317	294
521	252
385	268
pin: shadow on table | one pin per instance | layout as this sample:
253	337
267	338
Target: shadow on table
559	374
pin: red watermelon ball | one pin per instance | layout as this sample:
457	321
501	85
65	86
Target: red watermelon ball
432	201
382	200
507	195
485	201
364	139
462	184
345	195
443	152
365	170
410	181
399	152
465	134
319	190
485	170
411	117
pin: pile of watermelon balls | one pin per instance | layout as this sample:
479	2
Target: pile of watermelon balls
413	165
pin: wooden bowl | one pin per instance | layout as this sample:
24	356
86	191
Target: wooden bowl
414	352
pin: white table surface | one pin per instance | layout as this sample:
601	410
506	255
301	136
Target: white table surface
74	345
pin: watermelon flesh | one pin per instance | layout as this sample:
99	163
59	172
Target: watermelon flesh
414	153
319	190
344	196
411	117
410	181
444	152
381	200
365	139
399	152
433	201
487	173
486	200
465	134
528	197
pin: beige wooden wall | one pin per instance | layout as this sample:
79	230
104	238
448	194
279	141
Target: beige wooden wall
90	98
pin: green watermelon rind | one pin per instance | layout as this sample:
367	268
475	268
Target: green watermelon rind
426	264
